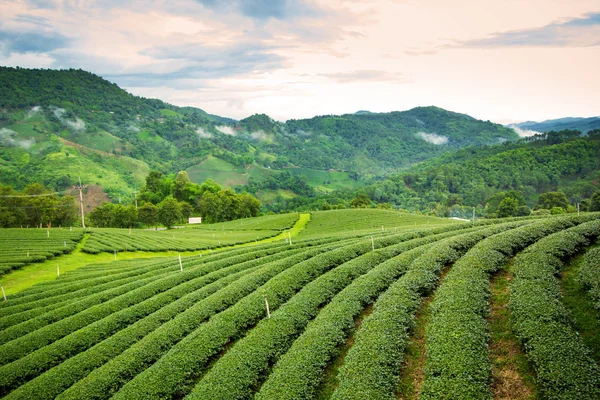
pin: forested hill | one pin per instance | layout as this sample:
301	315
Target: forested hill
57	125
581	124
373	142
476	177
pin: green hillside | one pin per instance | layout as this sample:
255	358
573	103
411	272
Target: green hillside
46	114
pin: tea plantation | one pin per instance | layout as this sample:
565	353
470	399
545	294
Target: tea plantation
333	313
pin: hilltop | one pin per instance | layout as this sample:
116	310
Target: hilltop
58	125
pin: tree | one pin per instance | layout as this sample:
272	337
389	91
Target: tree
507	207
595	202
124	216
360	201
550	200
181	180
102	216
148	214
169	212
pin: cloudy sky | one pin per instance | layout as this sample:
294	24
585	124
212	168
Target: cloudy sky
506	60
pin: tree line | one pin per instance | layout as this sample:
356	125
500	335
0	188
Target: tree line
35	206
169	200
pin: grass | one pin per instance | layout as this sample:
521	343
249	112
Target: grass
513	377
364	221
227	174
577	299
29	275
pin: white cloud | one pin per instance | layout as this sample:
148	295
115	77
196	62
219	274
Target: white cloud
203	134
260	135
33	111
525	132
433	138
76	124
7	139
226	130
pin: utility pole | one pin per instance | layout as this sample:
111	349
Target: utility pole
80	188
134	197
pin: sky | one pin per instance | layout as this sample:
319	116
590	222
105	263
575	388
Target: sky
503	61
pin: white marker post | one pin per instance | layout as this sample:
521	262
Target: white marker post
180	265
47	232
65	243
57	271
3	294
115	255
372	243
27	253
267	305
290	236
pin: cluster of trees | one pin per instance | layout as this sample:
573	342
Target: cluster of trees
35	205
168	213
281	180
168	200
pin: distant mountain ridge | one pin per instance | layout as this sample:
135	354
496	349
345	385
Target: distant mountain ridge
56	125
573	123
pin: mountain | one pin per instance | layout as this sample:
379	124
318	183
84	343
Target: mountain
456	182
581	124
57	125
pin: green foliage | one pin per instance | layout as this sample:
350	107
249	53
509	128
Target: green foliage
35	206
361	201
458	364
148	214
169	212
564	367
551	200
19	247
595	202
371	366
589	275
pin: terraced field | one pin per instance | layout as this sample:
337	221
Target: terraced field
19	247
331	315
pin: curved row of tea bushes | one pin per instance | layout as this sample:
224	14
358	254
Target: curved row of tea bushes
142	289
589	275
62	296
193	353
371	367
299	372
19	247
563	364
84	338
57	379
458	364
108	378
234	375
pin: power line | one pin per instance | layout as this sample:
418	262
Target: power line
34	195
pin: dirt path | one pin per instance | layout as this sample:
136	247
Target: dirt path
513	377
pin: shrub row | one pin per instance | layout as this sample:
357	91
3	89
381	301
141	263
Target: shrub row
46	295
589	275
142	289
239	370
54	381
372	365
178	367
107	379
564	367
458	363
